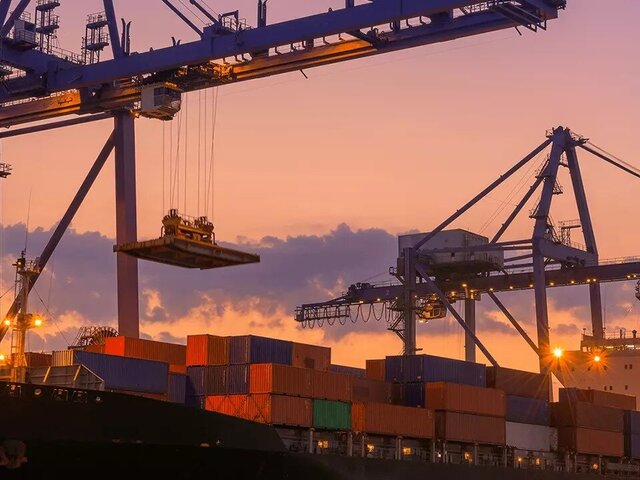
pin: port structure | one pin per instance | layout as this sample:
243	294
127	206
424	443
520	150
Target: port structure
427	288
42	83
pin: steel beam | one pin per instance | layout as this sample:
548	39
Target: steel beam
19	10
607	159
66	220
514	322
114	36
470	320
182	17
409	312
53	125
126	224
4	10
516	210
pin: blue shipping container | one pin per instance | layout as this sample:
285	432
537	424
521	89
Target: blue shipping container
122	373
408	394
632	423
195	401
207	380
527	410
177	388
238	379
252	349
429	368
346	370
632	446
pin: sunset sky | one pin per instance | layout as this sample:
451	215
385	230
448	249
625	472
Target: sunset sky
319	175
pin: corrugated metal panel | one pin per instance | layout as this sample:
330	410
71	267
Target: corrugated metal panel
383	419
178	369
252	349
238	379
35	359
176	388
331	386
464	427
587	415
632	423
465	398
146	349
594	442
632	446
280	410
598	397
207	350
538	438
95	348
528	410
234	405
366	390
518	382
310	356
207	380
280	379
331	415
375	369
123	373
347	370
429	368
62	358
408	394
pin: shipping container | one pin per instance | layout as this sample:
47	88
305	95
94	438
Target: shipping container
347	370
375	369
238	379
598	397
408	394
632	446
233	405
331	415
468	428
176	388
280	379
429	368
97	348
207	350
370	391
537	438
253	349
146	349
632	423
331	386
182	369
35	360
519	383
207	380
592	442
118	373
195	401
310	356
396	420
454	397
588	416
528	410
280	410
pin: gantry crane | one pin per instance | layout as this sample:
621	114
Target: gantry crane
433	273
42	81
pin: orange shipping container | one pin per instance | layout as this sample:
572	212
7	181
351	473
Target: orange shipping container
276	378
178	369
465	399
310	356
35	359
375	369
207	350
594	442
383	419
331	386
280	410
371	391
146	349
234	405
464	427
99	348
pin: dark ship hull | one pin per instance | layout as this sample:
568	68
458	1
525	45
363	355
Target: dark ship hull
101	434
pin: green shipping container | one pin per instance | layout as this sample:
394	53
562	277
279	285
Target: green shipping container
331	415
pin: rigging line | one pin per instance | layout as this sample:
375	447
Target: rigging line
170	161
26	227
186	147
175	187
212	156
7	291
50	315
192	12
199	150
205	162
626	164
164	135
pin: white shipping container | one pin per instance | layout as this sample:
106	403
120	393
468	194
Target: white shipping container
62	358
536	438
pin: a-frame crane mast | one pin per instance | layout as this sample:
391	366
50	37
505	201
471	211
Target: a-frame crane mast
44	83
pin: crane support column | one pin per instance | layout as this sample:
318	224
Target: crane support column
126	224
409	312
470	320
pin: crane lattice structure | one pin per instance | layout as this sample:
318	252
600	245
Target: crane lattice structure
546	260
42	82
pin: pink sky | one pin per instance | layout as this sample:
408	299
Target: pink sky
396	142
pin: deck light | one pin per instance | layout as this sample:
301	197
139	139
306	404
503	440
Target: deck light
558	352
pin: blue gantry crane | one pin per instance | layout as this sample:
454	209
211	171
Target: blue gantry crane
42	81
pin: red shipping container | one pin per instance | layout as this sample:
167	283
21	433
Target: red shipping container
375	369
207	350
146	349
464	427
276	378
280	410
37	359
598	397
233	405
99	348
178	369
588	441
465	399
331	386
384	419
370	391
310	356
587	415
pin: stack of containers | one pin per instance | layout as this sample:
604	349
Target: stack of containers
632	434
171	353
466	413
591	422
410	374
375	369
207	360
527	413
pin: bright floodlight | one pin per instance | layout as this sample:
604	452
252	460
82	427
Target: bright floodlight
2	357
37	322
597	358
557	352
